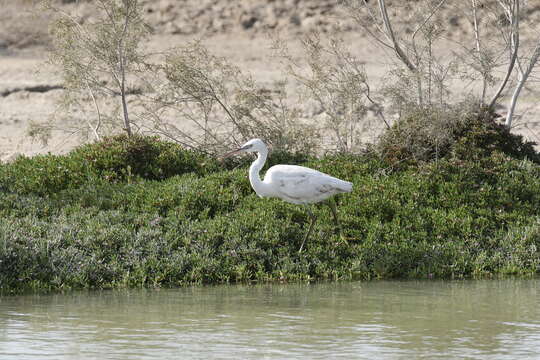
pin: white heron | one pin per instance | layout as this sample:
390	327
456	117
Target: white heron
295	184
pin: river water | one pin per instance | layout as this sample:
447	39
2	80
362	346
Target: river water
492	319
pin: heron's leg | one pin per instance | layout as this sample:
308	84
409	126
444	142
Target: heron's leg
313	219
332	203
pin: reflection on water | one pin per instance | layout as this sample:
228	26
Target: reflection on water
373	320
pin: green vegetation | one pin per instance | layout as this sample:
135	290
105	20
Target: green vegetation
138	211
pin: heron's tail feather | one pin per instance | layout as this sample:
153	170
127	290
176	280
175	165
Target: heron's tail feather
348	186
344	186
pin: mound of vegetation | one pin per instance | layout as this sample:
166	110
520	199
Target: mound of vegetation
460	132
143	212
115	159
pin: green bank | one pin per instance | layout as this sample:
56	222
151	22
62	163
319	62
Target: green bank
141	212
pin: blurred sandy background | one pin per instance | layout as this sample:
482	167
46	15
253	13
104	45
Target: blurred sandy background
235	29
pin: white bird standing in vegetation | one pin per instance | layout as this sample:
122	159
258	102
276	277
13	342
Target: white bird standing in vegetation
292	183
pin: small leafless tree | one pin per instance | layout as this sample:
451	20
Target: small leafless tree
420	67
203	101
337	82
97	59
491	38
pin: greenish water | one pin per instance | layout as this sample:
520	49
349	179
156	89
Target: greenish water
496	319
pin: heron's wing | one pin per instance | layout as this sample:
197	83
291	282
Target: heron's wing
300	183
292	171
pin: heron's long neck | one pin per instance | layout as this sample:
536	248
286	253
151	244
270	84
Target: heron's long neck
260	188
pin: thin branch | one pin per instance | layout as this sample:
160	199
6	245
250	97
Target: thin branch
190	117
523	76
479	50
512	14
375	21
121	60
378	107
390	35
433	12
373	17
96	128
475	24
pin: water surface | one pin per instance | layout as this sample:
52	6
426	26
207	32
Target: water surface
495	319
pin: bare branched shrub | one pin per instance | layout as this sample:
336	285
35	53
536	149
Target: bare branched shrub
268	113
210	104
420	76
99	61
337	82
494	44
203	101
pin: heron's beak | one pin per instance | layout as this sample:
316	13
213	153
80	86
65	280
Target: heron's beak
234	152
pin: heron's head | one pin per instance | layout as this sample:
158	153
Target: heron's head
253	145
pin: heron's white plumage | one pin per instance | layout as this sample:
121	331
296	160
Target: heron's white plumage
302	185
292	183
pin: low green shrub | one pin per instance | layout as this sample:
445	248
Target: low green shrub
42	174
482	135
120	157
115	159
447	219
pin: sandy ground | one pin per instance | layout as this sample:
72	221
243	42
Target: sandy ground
29	90
29	87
